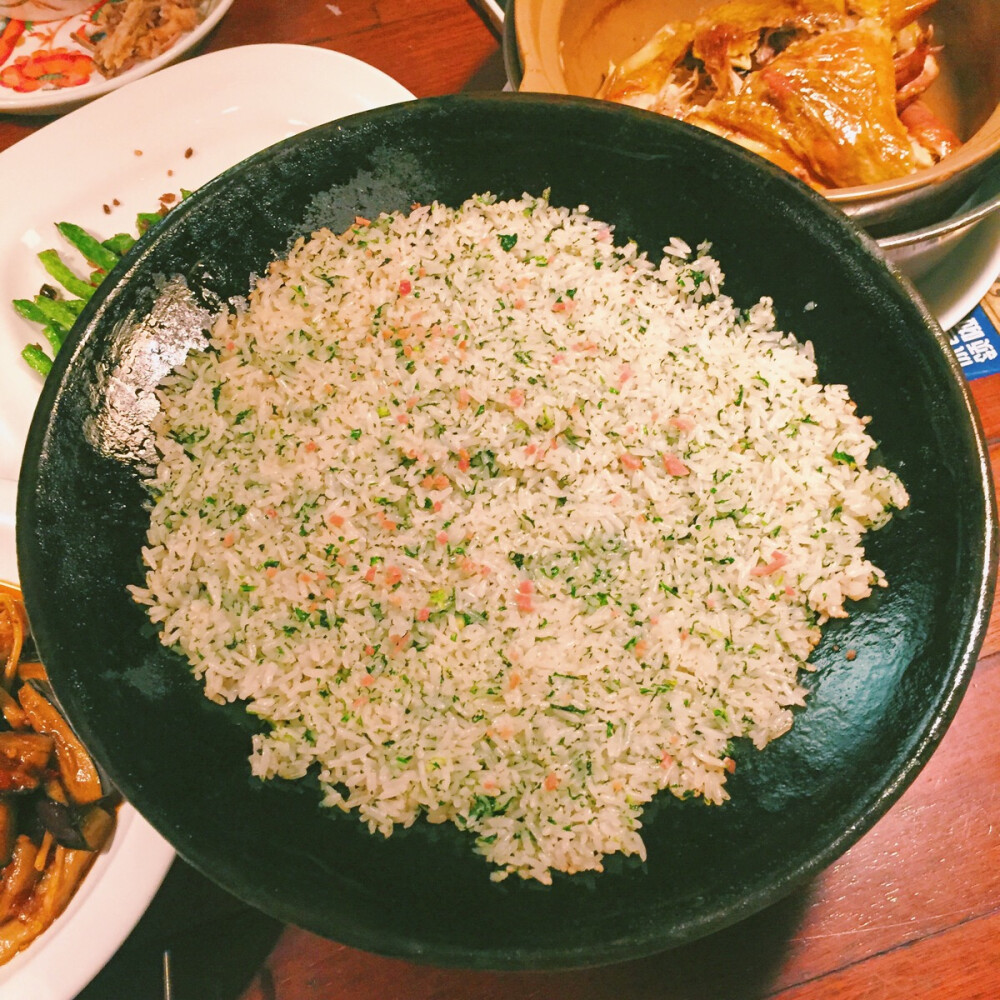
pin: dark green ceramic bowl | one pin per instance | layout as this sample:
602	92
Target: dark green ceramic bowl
423	894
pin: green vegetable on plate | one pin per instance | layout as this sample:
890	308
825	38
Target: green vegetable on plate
55	309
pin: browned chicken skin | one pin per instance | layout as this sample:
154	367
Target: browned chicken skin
827	89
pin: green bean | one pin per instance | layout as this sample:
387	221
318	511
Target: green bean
60	313
120	243
98	254
73	283
146	219
28	309
53	330
37	358
54	335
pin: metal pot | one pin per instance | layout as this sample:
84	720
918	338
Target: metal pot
565	46
918	252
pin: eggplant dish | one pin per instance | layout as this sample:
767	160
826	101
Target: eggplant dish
56	811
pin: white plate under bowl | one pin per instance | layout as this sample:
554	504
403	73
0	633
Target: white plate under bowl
211	111
61	34
112	897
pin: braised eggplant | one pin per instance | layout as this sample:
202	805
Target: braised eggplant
57	812
77	770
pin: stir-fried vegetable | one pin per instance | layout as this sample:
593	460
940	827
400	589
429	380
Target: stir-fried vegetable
55	811
52	308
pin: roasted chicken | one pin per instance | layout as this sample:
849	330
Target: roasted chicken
828	89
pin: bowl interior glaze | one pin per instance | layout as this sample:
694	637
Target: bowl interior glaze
422	894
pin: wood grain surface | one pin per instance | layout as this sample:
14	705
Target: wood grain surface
911	911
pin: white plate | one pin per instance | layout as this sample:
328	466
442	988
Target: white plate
44	37
222	106
955	287
114	894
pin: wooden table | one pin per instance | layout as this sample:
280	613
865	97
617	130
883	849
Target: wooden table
912	910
